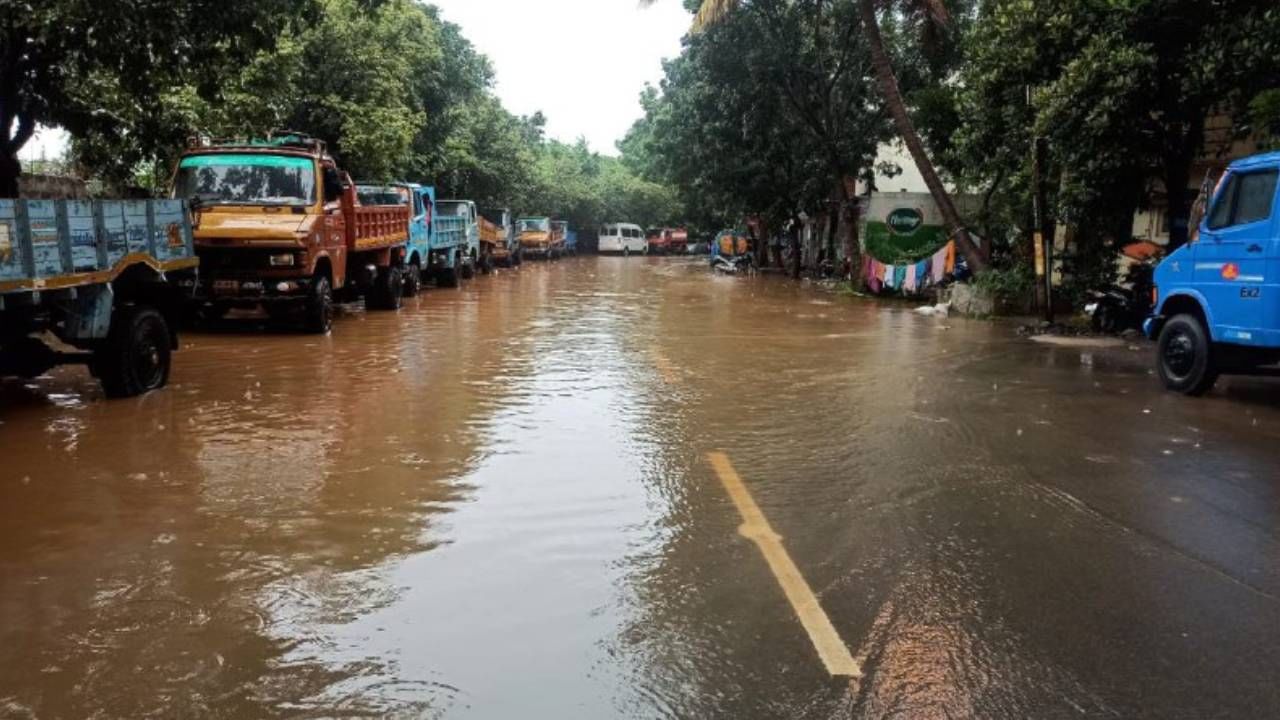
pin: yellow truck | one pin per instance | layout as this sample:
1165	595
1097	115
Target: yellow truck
540	238
498	244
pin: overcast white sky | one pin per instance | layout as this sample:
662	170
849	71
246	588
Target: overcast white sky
582	63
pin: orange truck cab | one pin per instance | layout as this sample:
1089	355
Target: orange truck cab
279	225
540	237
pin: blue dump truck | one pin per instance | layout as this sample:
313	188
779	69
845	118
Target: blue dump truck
1217	304
466	256
105	277
438	242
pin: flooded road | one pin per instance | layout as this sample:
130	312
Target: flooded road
499	502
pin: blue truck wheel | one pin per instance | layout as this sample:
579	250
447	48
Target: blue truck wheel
1185	359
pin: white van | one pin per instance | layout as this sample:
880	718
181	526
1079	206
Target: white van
622	238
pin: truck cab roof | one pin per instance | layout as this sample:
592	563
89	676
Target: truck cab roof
1254	161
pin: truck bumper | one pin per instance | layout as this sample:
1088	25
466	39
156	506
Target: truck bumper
1151	326
214	289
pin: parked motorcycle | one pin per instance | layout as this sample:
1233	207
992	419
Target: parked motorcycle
1123	306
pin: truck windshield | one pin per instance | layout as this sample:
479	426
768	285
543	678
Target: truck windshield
382	195
234	179
448	208
535	225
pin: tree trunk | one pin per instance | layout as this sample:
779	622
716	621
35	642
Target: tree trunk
897	107
1177	181
10	170
10	167
849	236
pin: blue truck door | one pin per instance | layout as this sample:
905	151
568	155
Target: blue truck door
1233	254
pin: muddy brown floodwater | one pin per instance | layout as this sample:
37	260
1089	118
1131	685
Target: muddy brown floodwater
497	503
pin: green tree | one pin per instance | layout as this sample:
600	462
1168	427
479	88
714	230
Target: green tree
75	64
1121	92
767	112
936	16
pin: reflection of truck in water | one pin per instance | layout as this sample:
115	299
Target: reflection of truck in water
467	256
498	242
104	277
540	238
278	225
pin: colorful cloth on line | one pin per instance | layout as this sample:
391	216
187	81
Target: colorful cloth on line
911	278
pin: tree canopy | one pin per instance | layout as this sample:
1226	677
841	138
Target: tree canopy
396	92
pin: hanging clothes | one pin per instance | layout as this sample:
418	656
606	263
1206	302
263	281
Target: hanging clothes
951	257
874	275
909	283
899	275
923	269
939	261
888	276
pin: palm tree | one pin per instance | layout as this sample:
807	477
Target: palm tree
711	11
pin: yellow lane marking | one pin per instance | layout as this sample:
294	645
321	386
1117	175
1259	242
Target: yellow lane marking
755	527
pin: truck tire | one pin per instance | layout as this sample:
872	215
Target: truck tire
447	277
317	312
412	281
135	357
517	257
486	264
1185	356
468	268
388	290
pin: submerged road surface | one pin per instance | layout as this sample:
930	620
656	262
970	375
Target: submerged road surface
625	488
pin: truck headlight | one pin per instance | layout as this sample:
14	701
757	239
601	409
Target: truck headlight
286	260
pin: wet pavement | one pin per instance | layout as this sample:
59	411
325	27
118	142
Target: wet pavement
498	503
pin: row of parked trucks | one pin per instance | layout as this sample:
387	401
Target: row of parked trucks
272	224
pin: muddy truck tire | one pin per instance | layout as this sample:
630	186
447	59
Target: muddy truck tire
412	281
388	290
135	357
317	311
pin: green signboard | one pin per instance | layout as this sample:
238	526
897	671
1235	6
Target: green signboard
902	237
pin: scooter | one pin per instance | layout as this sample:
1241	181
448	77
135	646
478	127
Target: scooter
738	264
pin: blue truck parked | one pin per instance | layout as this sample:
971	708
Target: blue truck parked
466	257
1217	305
438	241
105	277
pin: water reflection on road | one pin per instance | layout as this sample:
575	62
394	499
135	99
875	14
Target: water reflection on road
496	503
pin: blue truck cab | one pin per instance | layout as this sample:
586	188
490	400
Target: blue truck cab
1218	297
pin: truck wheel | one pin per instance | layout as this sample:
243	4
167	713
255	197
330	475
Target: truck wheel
412	281
134	359
486	264
468	269
447	277
1185	356
317	315
517	258
388	290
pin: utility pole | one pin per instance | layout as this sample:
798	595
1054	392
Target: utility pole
1043	243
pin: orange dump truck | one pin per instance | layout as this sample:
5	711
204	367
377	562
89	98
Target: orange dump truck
279	226
498	245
